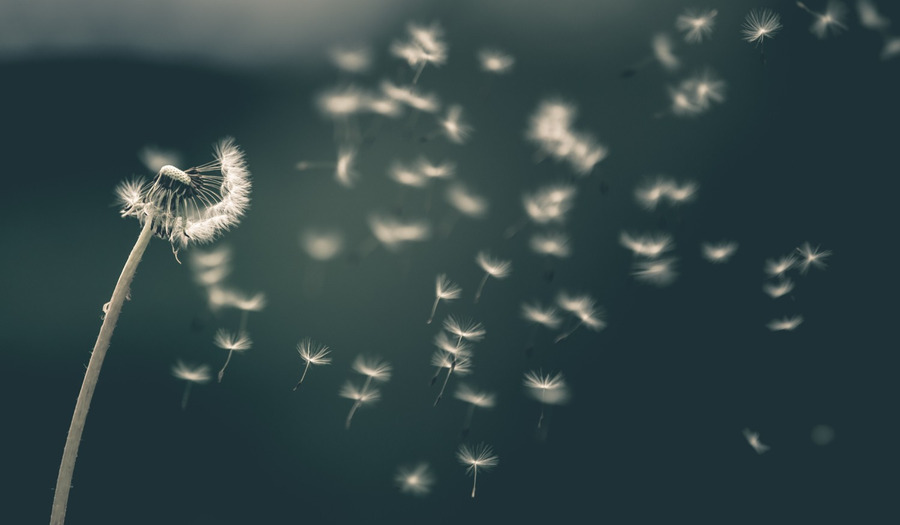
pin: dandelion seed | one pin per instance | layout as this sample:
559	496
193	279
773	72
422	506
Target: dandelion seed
550	128
425	46
466	202
719	252
183	207
831	21
453	127
374	368
785	324
416	480
456	362
810	256
444	289
313	354
341	102
409	96
695	95
211	267
649	246
360	396
869	16
551	243
464	329
696	25
683	103
493	267
457	348
406	176
322	245
351	59
659	272
776	267
583	307
891	48
199	374
393	233
475	399
494	61
548	317
550	204
345	171
476	457
761	24
548	389
444	170
663	52
753	440
779	289
652	192
232	342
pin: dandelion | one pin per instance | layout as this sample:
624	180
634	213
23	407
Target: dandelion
781	288
474	457
185	208
650	246
493	267
810	256
360	397
696	25
453	127
475	399
551	243
468	203
232	342
583	307
314	354
831	21
494	61
753	440
776	267
199	374
659	272
718	252
761	24
425	46
548	389
785	324
444	289
663	52
458	362
415	480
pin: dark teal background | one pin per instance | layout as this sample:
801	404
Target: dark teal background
803	149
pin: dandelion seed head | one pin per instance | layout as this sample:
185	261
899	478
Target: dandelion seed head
779	289
551	243
719	252
466	202
545	316
374	367
495	267
760	24
417	480
194	374
480	399
696	25
480	456
313	353
361	395
445	289
465	328
658	272
785	324
494	61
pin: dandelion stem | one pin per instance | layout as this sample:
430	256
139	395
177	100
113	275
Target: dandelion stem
467	424
481	286
419	72
350	415
541	418
244	315
76	428
227	360
446	379
567	333
187	394
474	479
434	309
305	369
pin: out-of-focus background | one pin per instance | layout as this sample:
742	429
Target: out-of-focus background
801	149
